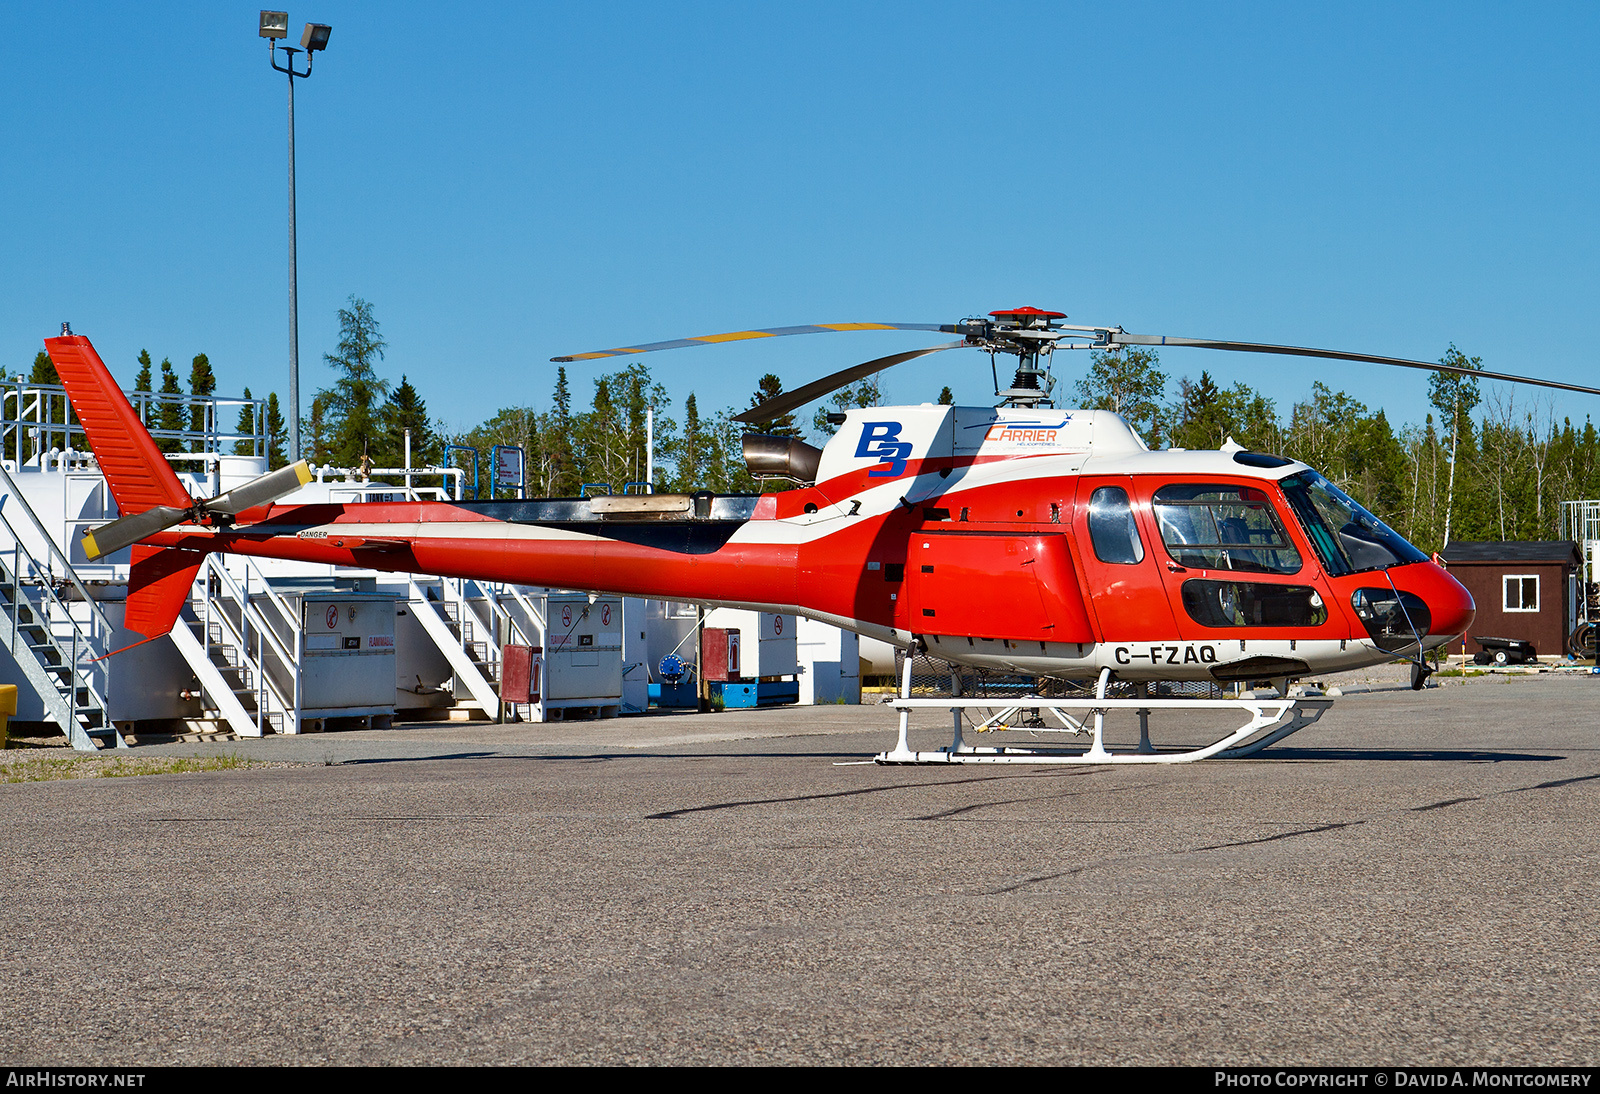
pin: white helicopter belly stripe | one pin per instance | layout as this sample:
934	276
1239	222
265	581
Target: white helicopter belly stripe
1161	660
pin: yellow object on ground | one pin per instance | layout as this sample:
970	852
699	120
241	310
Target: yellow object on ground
8	707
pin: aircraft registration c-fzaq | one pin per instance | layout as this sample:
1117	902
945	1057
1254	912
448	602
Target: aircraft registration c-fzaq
1032	540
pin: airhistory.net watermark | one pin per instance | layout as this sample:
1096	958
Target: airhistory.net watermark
1403	1078
52	1078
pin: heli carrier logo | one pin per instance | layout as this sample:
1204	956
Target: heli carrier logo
1025	432
881	440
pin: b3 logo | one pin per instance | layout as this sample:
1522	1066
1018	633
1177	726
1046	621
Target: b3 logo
881	440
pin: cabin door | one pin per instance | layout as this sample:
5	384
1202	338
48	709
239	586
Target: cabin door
1120	560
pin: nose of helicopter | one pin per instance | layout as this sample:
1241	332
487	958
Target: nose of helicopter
1450	606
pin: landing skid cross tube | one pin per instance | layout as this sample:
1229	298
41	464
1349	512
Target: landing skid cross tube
1270	721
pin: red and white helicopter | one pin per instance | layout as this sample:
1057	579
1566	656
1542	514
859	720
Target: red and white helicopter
1019	537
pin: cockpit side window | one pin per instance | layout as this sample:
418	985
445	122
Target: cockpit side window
1112	529
1221	526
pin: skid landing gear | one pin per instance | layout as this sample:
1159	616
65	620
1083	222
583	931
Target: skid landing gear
1269	721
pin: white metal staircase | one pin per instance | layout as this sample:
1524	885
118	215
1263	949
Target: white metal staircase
232	637
54	629
469	621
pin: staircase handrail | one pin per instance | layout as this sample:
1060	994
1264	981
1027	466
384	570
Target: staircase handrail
248	602
522	600
56	554
279	601
249	608
491	592
55	610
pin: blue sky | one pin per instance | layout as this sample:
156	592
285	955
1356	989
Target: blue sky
508	182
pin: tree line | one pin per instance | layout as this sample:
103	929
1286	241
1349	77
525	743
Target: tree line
358	417
1495	467
172	409
1481	466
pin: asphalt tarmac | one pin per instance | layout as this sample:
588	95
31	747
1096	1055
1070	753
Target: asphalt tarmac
1412	882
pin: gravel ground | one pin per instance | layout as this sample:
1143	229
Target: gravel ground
1409	882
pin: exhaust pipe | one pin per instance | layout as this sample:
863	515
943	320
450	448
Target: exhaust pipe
765	454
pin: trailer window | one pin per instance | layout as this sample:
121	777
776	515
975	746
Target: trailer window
1212	526
1521	592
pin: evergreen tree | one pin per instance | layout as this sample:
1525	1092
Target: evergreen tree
246	426
202	383
770	387
315	432
141	382
1375	467
599	437
277	435
1205	416
1197	417
563	476
169	413
946	396
51	409
352	404
44	370
406	410
692	452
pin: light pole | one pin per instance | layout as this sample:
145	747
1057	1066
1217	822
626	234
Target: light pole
275	25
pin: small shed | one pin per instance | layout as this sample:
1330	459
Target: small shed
1526	590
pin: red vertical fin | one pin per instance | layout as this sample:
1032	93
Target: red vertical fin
139	475
158	585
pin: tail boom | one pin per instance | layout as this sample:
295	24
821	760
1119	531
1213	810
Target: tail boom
440	538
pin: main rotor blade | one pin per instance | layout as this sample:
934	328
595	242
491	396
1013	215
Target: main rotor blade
800	396
126	531
261	489
741	335
1123	338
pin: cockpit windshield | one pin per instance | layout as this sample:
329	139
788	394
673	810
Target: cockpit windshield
1346	537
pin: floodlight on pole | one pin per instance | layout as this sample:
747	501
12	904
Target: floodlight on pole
275	25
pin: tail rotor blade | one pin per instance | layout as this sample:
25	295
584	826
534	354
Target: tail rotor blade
261	490
789	400
110	538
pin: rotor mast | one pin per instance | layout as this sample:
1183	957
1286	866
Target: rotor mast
1028	334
